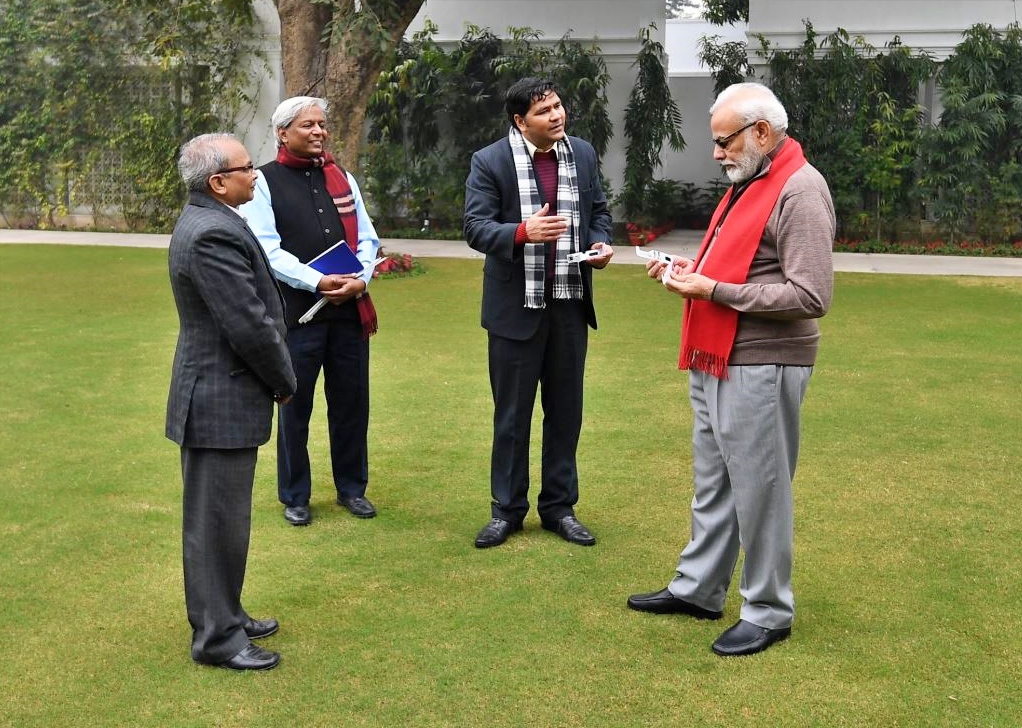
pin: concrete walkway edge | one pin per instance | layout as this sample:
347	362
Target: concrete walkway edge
680	242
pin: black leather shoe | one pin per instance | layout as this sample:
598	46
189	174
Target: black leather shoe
297	515
252	657
571	529
746	638
358	506
663	602
259	628
496	532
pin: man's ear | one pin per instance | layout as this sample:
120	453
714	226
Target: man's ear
216	184
763	129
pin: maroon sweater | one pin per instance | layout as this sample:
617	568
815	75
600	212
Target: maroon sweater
545	164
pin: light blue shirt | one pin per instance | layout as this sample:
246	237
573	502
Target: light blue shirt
286	267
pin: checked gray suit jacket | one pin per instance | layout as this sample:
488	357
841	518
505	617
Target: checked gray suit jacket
231	357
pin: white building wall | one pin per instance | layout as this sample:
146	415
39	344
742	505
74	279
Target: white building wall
932	25
692	89
694	164
583	19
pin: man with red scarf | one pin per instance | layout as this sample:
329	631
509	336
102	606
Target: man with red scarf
761	279
305	203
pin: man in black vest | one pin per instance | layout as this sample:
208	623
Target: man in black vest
304	204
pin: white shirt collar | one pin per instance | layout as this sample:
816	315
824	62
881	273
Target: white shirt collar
533	148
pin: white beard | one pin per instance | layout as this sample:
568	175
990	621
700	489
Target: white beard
745	167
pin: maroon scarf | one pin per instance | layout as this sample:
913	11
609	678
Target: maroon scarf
344	200
708	329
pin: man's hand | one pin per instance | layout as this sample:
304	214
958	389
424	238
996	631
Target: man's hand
544	228
655	268
689	285
330	283
601	260
338	288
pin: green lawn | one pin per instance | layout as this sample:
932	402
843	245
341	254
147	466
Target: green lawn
907	576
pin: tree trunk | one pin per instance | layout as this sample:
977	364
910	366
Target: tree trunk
303	54
363	36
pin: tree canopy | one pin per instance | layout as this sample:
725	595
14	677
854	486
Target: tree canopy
99	94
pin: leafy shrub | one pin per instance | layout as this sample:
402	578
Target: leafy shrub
435	108
971	160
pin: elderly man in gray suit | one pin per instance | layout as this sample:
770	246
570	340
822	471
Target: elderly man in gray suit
230	366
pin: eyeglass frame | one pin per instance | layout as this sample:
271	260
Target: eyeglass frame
250	168
725	141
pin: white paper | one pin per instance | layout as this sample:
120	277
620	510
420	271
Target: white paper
657	256
583	255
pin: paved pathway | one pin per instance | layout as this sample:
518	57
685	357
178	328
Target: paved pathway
684	242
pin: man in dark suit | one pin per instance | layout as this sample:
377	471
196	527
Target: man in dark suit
231	364
533	203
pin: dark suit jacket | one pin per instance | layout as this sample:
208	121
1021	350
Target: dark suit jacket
492	214
231	356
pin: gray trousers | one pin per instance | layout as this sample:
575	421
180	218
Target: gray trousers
745	438
215	535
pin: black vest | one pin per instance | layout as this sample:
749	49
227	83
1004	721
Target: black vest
308	223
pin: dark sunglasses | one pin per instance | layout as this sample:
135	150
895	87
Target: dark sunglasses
725	141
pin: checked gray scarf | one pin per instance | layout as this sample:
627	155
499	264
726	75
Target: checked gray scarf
567	278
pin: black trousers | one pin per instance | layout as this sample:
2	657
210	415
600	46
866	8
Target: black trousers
217	522
553	361
338	348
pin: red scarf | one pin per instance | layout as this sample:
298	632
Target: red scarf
707	328
344	200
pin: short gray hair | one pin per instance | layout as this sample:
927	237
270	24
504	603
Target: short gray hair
201	158
289	109
756	102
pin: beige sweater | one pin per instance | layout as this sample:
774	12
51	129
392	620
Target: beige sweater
791	279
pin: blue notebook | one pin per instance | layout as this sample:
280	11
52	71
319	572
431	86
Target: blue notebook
336	259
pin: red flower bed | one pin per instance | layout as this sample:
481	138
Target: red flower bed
642	234
397	264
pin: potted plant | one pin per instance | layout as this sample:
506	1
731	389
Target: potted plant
657	213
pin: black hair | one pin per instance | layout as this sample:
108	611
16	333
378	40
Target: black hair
524	93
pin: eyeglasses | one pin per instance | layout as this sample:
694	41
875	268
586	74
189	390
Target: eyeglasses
250	168
725	141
